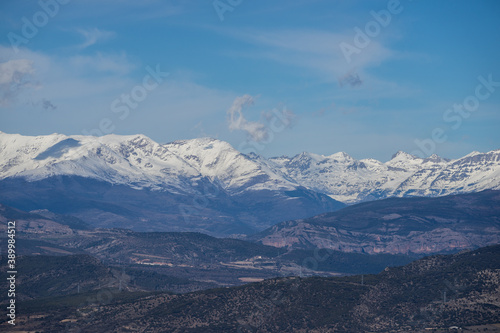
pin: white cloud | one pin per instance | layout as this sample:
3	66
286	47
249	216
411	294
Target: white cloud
130	10
237	121
317	53
79	92
257	131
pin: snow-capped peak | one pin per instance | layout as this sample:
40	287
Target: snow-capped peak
401	155
135	160
140	162
341	156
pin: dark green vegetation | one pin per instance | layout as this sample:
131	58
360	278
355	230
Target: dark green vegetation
46	276
481	207
13	214
401	299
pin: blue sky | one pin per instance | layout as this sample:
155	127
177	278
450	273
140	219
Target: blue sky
274	77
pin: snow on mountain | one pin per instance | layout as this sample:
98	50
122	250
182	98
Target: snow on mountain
201	185
234	171
349	180
136	161
133	160
139	162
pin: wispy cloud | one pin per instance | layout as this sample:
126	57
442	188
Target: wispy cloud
129	11
93	36
313	49
79	93
15	71
317	53
40	80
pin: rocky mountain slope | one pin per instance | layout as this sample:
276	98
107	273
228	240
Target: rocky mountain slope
397	225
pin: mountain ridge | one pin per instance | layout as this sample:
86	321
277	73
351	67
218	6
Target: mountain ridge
139	162
397	226
133	182
206	185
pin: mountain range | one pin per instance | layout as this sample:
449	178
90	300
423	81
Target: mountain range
208	186
352	181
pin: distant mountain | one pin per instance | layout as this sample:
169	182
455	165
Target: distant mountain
397	226
208	186
133	182
349	180
431	294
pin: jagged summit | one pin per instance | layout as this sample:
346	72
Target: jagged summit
342	156
349	180
436	159
133	160
200	141
403	155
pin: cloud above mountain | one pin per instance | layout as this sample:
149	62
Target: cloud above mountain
237	121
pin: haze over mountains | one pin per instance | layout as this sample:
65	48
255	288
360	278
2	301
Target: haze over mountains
206	185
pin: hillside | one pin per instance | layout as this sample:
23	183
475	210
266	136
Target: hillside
409	299
44	276
397	226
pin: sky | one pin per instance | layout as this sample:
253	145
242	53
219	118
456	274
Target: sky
279	77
